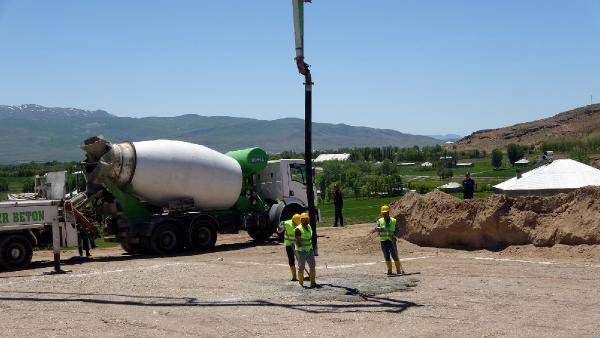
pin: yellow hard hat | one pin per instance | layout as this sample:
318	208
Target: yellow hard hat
304	215
296	218
385	208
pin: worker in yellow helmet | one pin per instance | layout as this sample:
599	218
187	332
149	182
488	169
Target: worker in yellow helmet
388	233
304	251
288	228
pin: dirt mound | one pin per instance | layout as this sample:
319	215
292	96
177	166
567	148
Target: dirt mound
441	220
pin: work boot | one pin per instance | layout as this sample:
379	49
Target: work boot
313	279
399	269
389	267
301	278
293	270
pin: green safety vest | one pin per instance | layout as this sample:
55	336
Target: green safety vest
305	239
289	237
388	230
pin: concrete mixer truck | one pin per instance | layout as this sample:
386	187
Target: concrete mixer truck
164	196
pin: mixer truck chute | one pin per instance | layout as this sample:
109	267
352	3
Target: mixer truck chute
162	196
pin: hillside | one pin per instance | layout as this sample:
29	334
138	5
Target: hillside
572	124
37	133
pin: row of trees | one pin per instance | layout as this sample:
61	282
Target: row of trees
514	152
392	154
359	179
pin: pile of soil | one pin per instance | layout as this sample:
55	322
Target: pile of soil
441	220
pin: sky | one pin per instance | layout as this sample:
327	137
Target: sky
421	67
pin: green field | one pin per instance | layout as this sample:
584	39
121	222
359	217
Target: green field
15	185
358	211
355	211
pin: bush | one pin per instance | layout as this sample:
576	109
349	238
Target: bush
497	158
515	152
445	173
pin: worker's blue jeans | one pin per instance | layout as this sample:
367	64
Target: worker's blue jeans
389	249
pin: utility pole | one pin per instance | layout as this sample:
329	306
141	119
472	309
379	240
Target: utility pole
304	69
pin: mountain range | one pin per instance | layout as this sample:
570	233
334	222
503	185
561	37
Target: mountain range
37	133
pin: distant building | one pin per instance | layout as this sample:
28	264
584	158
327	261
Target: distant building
445	158
332	157
551	178
427	164
464	165
522	163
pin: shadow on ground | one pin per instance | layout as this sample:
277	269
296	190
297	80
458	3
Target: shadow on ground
76	260
369	303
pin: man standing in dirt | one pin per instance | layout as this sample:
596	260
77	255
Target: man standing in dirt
468	187
388	233
338	203
304	251
83	241
289	237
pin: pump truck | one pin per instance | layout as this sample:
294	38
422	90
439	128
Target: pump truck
47	219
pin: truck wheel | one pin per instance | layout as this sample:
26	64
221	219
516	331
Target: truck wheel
260	235
133	249
202	235
166	239
15	252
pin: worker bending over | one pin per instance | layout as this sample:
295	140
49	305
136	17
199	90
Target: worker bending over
304	251
288	229
388	233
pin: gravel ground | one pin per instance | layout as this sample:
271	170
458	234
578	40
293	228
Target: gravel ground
242	289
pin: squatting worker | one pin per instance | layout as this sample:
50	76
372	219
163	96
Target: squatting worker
288	229
304	251
388	233
468	186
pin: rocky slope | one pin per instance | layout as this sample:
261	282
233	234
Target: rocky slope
572	124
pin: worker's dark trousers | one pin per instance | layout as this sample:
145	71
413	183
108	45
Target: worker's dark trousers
84	244
289	250
338	215
389	250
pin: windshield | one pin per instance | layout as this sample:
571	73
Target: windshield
298	172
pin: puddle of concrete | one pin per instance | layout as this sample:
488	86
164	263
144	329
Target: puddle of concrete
350	287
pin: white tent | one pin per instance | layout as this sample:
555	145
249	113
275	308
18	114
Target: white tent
451	186
332	157
426	164
555	177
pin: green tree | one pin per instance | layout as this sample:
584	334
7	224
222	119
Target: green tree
28	185
497	158
3	185
514	152
445	173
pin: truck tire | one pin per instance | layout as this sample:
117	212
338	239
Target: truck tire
133	249
166	239
260	235
202	235
15	252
